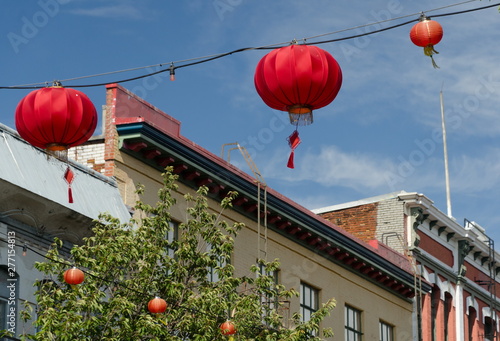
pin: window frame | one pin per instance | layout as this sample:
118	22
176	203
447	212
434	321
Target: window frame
6	296
310	305
272	304
489	328
353	330
386	331
212	275
172	236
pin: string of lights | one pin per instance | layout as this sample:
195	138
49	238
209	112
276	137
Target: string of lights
174	65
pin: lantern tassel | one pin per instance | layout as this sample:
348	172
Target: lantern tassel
290	163
429	51
70	194
293	142
69	176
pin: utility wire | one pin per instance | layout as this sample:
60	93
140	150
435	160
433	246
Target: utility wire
199	60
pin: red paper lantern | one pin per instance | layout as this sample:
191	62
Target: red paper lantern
74	276
157	305
427	33
56	118
298	79
227	328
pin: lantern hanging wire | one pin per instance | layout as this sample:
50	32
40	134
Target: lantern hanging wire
199	60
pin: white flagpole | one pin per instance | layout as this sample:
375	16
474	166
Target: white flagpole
445	148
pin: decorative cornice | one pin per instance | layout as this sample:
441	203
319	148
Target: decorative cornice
140	140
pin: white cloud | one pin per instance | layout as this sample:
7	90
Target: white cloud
333	167
477	174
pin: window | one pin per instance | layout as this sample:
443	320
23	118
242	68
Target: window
9	292
308	301
435	299
3	311
213	275
267	300
448	303
352	324
386	332
471	323
489	328
172	235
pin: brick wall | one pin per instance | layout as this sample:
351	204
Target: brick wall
437	250
390	224
360	221
90	155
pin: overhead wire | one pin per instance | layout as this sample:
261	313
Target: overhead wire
173	65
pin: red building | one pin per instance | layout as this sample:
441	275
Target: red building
458	260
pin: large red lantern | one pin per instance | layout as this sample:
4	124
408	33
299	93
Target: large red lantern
298	79
56	118
157	305
74	276
427	33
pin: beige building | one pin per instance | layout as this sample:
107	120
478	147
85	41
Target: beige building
374	286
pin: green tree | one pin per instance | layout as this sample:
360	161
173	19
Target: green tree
126	265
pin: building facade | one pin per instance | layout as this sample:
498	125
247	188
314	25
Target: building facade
34	209
459	261
374	286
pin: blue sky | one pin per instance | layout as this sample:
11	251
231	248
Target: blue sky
380	135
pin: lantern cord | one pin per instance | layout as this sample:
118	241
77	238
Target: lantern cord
199	60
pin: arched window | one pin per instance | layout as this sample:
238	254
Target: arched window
448	304
489	328
435	298
471	323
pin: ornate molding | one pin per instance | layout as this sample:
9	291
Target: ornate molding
416	219
464	247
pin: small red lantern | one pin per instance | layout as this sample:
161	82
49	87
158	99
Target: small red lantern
427	33
227	328
74	276
157	305
298	79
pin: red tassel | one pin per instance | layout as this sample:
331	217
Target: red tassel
290	160
293	142
70	195
69	176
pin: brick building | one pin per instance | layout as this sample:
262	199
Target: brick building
458	260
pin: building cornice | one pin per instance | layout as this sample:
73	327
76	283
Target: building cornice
196	166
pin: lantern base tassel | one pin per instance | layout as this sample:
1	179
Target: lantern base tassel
429	51
69	176
290	163
70	195
293	142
